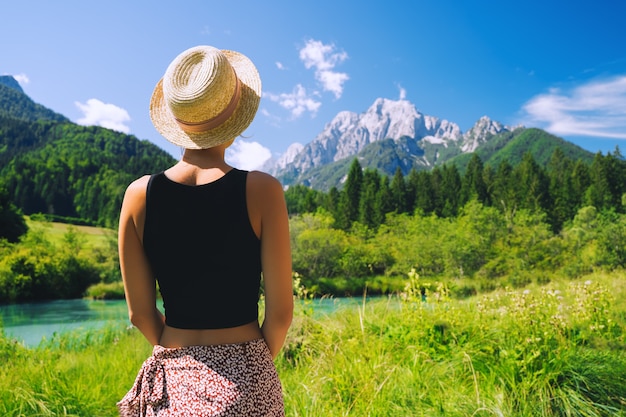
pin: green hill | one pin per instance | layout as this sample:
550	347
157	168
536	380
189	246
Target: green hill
15	104
74	173
511	147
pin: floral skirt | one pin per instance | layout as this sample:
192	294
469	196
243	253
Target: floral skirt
222	380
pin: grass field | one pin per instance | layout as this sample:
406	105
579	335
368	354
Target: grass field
555	350
55	231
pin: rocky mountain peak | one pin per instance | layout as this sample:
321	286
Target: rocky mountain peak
480	133
422	139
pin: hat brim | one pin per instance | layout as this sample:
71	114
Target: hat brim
235	125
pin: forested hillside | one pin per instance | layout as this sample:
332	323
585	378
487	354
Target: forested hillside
510	147
73	173
557	187
15	104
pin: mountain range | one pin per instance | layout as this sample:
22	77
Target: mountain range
394	134
389	135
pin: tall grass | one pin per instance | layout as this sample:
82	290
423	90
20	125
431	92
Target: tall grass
70	375
547	351
557	350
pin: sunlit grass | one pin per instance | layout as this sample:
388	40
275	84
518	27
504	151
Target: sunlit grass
554	350
71	375
535	352
56	232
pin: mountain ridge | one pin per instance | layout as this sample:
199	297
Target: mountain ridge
52	166
14	103
391	134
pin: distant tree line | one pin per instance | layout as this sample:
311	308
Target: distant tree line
557	190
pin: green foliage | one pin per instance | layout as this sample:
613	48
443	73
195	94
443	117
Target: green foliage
349	200
302	199
38	269
73	171
12	223
316	246
559	190
480	250
106	291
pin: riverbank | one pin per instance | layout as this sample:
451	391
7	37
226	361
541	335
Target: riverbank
32	323
555	350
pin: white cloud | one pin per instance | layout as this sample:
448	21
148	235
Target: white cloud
280	65
103	114
402	92
247	155
333	81
22	79
297	102
596	109
323	59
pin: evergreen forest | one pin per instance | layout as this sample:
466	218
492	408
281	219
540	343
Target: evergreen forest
485	228
72	173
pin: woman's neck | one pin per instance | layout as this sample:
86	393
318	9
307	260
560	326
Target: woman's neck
205	158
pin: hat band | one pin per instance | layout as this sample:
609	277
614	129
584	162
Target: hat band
199	127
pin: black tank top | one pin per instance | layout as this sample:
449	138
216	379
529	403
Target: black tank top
203	251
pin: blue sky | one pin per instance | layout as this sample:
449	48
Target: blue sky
557	65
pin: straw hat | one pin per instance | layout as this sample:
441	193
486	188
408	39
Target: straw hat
206	97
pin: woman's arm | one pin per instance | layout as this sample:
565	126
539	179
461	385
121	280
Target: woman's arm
139	284
268	202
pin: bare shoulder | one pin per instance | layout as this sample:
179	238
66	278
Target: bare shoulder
261	183
262	179
266	198
138	186
135	195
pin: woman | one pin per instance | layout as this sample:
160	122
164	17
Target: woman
205	232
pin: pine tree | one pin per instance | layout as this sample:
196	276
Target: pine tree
383	200
367	207
424	195
581	180
532	185
399	193
331	201
451	189
349	201
564	206
473	184
598	194
503	189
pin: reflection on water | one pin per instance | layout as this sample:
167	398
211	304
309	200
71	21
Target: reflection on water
31	322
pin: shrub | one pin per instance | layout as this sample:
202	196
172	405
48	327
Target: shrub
106	291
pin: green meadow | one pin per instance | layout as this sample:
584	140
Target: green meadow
544	350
